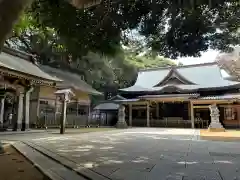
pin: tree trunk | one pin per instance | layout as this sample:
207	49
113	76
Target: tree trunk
9	13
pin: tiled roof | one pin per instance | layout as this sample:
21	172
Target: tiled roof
128	100
117	97
70	80
16	63
221	97
203	76
107	106
195	95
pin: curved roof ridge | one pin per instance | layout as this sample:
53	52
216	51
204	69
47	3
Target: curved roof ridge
174	70
178	67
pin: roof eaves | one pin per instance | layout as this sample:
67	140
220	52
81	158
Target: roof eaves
33	78
195	95
221	97
78	85
116	97
178	67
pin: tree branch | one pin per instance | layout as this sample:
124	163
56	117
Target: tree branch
9	13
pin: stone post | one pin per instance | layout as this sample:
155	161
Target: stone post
215	125
19	115
121	117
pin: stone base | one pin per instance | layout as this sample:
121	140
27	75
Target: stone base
121	125
3	147
25	127
17	127
216	129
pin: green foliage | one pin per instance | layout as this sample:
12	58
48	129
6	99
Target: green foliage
145	61
171	27
100	71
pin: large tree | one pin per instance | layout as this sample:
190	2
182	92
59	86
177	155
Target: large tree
171	27
10	12
231	63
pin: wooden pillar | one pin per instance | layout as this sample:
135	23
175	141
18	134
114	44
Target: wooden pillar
89	114
76	119
19	115
130	114
77	108
63	116
56	110
26	109
192	115
238	114
148	115
2	110
157	110
189	110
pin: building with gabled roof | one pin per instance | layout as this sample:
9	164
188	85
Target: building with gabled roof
19	76
31	89
49	108
180	96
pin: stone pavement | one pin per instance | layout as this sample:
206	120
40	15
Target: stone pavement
144	153
50	168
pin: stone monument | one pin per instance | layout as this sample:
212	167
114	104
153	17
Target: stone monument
215	124
121	117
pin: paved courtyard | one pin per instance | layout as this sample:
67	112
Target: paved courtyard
147	154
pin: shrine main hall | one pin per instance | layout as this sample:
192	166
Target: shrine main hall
180	96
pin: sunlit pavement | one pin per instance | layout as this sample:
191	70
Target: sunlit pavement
145	153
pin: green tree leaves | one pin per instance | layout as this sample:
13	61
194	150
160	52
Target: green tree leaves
171	28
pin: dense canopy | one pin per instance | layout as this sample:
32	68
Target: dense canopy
171	27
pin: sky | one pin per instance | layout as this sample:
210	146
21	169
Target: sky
208	56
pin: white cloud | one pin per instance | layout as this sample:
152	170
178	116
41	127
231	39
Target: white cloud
208	56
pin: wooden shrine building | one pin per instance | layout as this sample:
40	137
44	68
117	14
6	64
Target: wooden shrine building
180	97
19	76
48	111
28	96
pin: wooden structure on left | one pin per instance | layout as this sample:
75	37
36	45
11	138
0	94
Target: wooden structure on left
28	94
19	76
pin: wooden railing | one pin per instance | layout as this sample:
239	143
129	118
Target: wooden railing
49	120
170	122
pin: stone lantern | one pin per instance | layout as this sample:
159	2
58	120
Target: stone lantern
121	123
65	96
